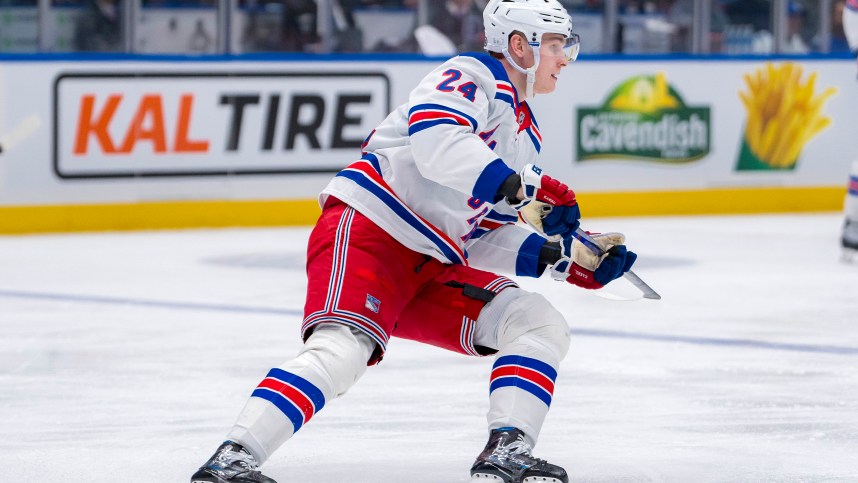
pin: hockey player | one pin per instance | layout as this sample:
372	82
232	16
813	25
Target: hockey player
409	241
849	239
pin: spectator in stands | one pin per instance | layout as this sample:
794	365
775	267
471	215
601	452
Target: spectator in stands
795	27
261	31
838	41
636	7
347	36
299	25
393	3
461	21
98	28
584	6
178	3
680	14
751	12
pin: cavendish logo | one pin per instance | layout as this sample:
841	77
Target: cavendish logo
644	118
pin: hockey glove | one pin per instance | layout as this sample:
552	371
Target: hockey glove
580	266
548	204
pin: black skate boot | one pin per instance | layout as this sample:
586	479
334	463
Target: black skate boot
849	240
507	459
231	463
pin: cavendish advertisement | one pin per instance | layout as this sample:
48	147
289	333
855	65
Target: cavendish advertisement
644	118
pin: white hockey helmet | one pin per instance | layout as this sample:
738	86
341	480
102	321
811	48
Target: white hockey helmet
533	19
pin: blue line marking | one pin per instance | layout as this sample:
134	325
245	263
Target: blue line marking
164	304
709	341
607	334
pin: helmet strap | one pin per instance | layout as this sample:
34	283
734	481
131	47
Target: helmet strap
529	72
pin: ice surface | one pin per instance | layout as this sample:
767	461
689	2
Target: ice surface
126	357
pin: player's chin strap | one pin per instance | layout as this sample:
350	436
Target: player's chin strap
530	72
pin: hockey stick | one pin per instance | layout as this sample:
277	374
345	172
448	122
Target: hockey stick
648	293
22	131
533	214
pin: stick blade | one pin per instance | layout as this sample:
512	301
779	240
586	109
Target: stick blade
648	292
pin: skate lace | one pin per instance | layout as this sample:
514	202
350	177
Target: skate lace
517	447
228	457
517	450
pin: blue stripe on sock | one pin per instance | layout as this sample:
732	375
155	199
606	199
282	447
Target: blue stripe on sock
283	405
522	384
529	363
302	384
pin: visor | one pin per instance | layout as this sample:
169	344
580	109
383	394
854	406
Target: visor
572	47
568	50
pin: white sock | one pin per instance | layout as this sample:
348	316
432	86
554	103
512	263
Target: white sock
331	361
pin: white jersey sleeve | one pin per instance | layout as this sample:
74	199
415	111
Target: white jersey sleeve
446	114
502	246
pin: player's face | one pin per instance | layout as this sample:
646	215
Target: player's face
555	53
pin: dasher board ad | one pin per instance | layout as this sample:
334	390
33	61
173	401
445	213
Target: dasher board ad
124	132
160	124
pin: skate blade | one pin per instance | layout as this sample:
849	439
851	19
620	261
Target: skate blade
484	478
480	478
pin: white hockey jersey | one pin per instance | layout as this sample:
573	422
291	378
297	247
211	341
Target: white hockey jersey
431	170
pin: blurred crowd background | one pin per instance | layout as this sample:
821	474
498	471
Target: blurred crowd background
431	27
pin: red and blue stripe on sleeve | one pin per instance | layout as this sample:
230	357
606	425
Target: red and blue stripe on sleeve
424	116
529	375
492	221
366	174
295	396
506	92
853	185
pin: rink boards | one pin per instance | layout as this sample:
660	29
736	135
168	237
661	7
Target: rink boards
169	142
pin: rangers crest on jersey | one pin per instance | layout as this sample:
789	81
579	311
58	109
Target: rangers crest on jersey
372	303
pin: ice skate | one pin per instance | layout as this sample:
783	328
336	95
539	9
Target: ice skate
507	459
849	241
231	463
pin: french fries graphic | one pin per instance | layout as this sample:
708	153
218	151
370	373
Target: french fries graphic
784	114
